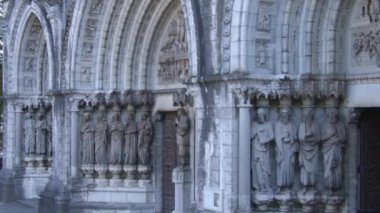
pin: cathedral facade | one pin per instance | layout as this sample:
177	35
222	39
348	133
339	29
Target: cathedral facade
192	105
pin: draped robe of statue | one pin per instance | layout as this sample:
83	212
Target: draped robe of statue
29	134
285	135
41	135
145	138
261	137
117	133
130	157
183	126
309	137
101	141
333	139
88	147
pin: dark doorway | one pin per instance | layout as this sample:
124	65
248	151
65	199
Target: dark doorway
369	168
169	158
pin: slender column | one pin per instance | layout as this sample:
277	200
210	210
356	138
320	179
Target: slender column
244	150
18	132
74	140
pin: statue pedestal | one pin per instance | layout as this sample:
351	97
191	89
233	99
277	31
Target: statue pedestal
29	161
131	173
308	200
143	172
332	202
102	175
285	199
88	170
116	171
182	180
262	200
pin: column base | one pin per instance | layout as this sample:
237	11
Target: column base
262	200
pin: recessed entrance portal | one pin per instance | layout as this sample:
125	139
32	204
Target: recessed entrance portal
169	158
369	168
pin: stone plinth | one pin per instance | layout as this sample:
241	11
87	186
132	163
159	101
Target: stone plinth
144	172
116	171
262	200
130	175
332	202
182	180
308	200
29	161
285	200
101	170
88	170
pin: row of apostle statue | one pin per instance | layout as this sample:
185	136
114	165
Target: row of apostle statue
298	145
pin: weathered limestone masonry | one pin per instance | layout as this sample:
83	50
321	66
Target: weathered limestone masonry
191	105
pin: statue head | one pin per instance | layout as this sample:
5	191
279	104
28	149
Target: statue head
144	116
308	113
285	115
116	116
87	116
262	115
332	115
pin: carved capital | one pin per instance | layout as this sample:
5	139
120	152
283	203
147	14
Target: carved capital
182	98
354	116
333	91
145	99
242	96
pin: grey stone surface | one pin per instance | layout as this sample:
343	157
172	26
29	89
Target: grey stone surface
220	61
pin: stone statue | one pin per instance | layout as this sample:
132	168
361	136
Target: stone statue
261	137
285	135
183	125
145	139
130	157
88	147
333	139
41	133
29	134
101	129
309	137
117	133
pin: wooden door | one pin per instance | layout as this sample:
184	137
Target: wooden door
369	168
169	158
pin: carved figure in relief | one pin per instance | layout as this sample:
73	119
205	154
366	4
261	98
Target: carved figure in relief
145	139
261	136
41	133
264	19
29	64
262	56
183	126
286	142
309	138
88	146
101	129
96	6
117	134
131	132
29	134
333	139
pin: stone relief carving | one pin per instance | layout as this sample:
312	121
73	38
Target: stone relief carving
101	130
31	46
35	29
262	55
183	126
286	142
261	137
88	146
131	138
117	134
87	50
86	74
29	64
333	140
366	47
96	6
264	19
173	60
90	29
309	138
145	138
